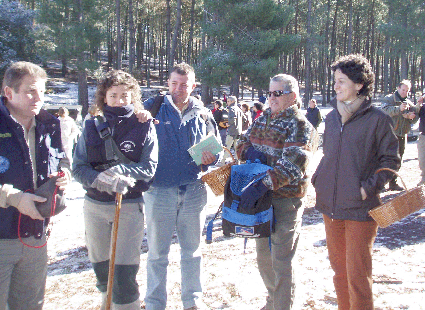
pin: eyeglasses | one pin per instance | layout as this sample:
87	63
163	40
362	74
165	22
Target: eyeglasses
278	93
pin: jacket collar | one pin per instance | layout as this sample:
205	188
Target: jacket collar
292	110
366	104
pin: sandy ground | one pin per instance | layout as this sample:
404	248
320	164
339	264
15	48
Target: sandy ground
231	279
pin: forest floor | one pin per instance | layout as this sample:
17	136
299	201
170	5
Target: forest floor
231	279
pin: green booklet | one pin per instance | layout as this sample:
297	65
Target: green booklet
209	143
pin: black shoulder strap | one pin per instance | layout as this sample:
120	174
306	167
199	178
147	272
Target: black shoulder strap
112	151
157	102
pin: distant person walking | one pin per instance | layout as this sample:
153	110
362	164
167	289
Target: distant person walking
403	113
221	118
234	130
246	118
69	132
313	114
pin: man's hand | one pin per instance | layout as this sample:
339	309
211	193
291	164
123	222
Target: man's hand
410	115
143	116
421	100
252	154
207	158
403	106
24	202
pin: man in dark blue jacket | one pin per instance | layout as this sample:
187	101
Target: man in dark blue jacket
30	152
313	114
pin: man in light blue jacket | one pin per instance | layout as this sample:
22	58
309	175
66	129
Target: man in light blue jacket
177	197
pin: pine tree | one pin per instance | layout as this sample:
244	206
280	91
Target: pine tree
244	40
16	33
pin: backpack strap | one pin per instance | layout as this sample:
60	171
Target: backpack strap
210	225
113	153
157	102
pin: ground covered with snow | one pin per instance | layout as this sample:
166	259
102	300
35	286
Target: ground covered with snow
231	279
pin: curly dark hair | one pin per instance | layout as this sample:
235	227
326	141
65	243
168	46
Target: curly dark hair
115	78
358	69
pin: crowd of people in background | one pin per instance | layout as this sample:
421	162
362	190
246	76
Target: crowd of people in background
139	150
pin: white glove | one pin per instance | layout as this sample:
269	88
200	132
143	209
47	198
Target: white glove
110	182
24	202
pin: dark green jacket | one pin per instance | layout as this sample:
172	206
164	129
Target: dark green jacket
391	105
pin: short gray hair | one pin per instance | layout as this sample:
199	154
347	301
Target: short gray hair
290	84
232	99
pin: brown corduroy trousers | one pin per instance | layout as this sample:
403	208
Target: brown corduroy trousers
350	254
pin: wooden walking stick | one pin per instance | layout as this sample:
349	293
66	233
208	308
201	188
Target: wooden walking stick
118	200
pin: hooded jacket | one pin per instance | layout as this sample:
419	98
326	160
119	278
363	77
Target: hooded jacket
352	152
177	132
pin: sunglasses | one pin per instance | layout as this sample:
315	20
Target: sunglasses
278	93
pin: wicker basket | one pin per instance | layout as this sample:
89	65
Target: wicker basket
217	178
401	206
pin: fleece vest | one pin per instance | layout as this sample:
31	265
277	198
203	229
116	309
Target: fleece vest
16	168
130	136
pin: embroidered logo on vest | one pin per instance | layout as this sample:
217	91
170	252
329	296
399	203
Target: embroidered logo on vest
127	146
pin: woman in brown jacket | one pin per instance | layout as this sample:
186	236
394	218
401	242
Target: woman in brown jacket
358	140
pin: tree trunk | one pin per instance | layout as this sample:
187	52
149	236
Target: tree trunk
118	63
148	57
176	34
350	28
325	68
192	25
332	48
168	45
64	66
83	94
139	55
110	44
161	56
308	51
132	36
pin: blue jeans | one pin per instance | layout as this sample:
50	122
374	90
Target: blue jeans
177	208
277	266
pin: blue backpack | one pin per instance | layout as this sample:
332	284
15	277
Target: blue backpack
238	221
